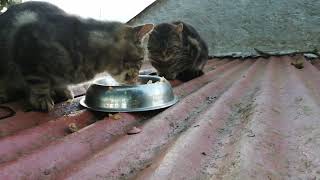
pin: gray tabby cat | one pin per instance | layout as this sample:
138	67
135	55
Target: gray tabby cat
177	51
43	50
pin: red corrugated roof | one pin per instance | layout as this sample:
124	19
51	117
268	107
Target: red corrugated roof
244	119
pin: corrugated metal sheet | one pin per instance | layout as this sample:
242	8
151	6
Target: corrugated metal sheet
244	119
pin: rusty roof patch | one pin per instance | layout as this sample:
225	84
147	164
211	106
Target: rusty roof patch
246	119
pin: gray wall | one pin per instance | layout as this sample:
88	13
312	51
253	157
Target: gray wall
238	26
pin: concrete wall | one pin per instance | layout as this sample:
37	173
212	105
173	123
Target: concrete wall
238	26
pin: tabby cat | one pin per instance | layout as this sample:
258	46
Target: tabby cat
177	51
43	50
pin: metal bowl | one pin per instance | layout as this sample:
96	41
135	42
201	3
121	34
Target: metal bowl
107	96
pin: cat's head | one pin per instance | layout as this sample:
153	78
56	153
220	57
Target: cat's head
165	48
129	61
134	53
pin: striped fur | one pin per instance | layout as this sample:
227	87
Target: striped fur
177	51
43	50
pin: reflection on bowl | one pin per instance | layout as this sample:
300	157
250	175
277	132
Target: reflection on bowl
152	92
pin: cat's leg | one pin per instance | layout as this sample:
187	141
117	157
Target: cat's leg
189	74
61	94
39	93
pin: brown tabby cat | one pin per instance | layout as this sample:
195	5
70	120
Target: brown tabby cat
177	51
43	50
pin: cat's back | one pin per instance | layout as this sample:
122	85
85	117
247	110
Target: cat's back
36	6
28	12
18	16
31	6
41	16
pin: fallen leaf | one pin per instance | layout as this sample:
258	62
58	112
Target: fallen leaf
115	116
73	127
276	110
298	63
134	130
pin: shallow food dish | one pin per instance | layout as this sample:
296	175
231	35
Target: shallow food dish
107	96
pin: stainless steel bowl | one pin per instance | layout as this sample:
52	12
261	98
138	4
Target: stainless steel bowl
107	96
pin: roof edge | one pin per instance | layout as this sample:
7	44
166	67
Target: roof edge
145	9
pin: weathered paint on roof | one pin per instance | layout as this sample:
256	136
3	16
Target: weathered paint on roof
244	119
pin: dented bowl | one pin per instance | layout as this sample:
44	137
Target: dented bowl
107	96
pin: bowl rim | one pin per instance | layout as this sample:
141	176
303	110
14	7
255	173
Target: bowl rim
95	82
170	103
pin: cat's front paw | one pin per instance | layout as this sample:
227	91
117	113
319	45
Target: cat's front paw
42	103
62	94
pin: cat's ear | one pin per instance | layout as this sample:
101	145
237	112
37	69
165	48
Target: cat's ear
179	28
143	30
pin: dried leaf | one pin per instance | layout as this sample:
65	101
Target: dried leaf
134	130
73	127
115	116
298	63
